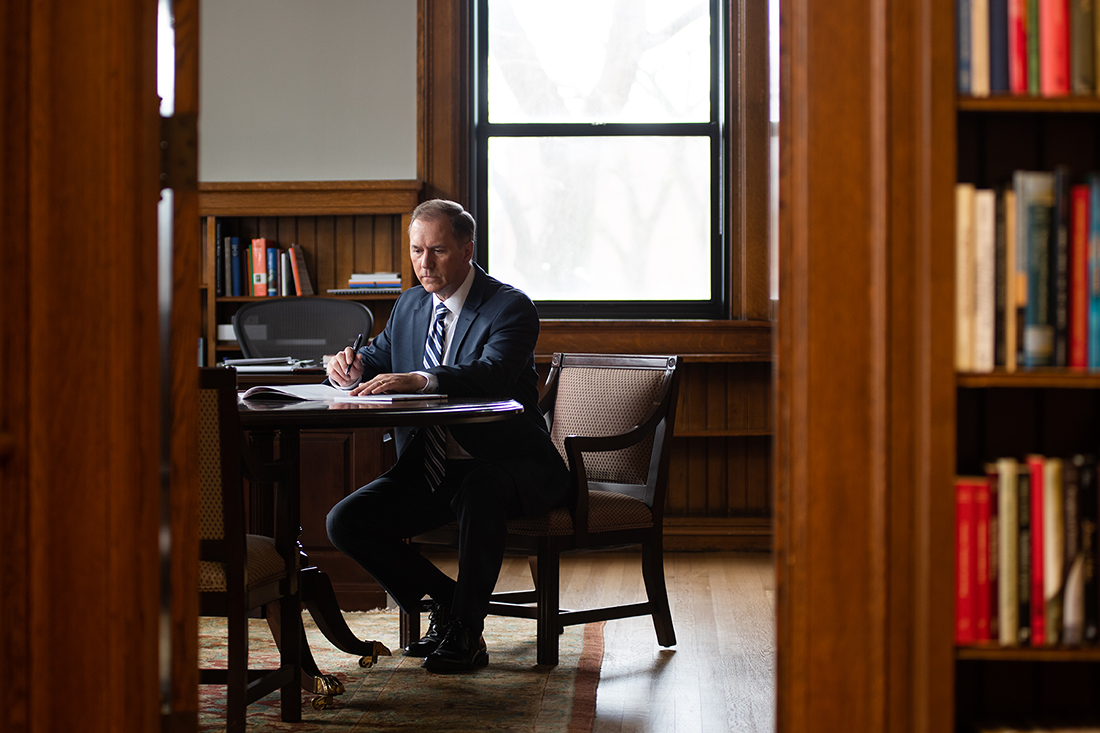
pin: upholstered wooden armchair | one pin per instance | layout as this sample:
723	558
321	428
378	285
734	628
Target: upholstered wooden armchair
611	417
239	571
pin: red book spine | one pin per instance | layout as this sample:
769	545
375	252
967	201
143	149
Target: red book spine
981	560
259	267
1038	612
1054	47
1017	46
1079	277
965	590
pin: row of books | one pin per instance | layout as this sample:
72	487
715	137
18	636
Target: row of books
1027	47
1026	538
370	282
1028	273
259	269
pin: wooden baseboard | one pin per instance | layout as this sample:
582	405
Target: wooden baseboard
702	534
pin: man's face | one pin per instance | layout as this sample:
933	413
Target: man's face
438	258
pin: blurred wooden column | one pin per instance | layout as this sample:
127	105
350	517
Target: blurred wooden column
864	441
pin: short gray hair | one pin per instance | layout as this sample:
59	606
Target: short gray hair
463	226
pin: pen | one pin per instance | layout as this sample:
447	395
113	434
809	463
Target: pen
354	350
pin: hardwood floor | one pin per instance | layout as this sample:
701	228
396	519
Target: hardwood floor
720	676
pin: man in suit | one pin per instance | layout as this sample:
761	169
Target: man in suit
463	334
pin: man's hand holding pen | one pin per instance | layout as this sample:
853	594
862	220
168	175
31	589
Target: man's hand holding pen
346	367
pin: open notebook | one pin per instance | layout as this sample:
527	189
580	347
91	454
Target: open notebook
325	392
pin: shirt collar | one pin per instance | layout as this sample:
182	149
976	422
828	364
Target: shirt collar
458	298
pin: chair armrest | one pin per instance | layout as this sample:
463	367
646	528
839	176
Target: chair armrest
576	446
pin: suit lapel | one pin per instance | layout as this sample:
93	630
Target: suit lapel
469	313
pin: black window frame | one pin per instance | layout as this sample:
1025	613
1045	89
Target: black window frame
716	129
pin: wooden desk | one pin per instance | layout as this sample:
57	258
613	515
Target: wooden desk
274	448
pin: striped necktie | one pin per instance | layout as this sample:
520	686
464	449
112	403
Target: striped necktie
435	453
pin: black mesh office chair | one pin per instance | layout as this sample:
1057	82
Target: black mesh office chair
301	328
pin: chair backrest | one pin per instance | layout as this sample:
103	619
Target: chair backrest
601	395
301	328
221	494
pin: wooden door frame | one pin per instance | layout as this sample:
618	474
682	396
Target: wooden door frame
865	388
80	161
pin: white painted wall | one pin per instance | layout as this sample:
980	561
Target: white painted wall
307	90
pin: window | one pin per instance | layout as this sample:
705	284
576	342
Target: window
599	154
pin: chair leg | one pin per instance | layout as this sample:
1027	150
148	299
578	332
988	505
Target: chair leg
236	682
290	655
409	629
653	573
546	598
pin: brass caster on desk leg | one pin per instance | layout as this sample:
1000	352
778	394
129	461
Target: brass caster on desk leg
327	685
380	650
321	702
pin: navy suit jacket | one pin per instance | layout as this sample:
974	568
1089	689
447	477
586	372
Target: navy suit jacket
492	357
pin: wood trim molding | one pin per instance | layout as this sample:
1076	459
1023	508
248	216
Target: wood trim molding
748	112
305	198
694	340
443	106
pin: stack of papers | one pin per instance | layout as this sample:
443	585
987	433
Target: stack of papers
325	392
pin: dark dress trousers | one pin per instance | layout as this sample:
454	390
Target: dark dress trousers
514	469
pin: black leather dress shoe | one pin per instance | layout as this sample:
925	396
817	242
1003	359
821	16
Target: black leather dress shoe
461	650
438	619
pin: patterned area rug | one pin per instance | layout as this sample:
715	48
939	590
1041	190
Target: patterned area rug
512	694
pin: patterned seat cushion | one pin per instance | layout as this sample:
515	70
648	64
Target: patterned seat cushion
264	566
606	511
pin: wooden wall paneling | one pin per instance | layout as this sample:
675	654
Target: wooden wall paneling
721	400
345	251
731	471
307	238
721	476
695	503
758	405
758	458
365	241
287	231
267	227
1070	140
325	253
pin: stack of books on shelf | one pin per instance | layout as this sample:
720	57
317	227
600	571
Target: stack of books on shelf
362	283
1027	273
1026	47
260	269
1026	538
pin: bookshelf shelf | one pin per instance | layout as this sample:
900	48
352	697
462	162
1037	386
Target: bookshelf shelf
1027	654
1032	379
1029	104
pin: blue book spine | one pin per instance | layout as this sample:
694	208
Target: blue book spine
963	27
219	259
272	270
235	255
1094	271
998	46
1039	323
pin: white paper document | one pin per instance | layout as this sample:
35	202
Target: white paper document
325	392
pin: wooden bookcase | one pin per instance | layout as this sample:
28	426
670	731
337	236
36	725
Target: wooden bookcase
1054	412
342	227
